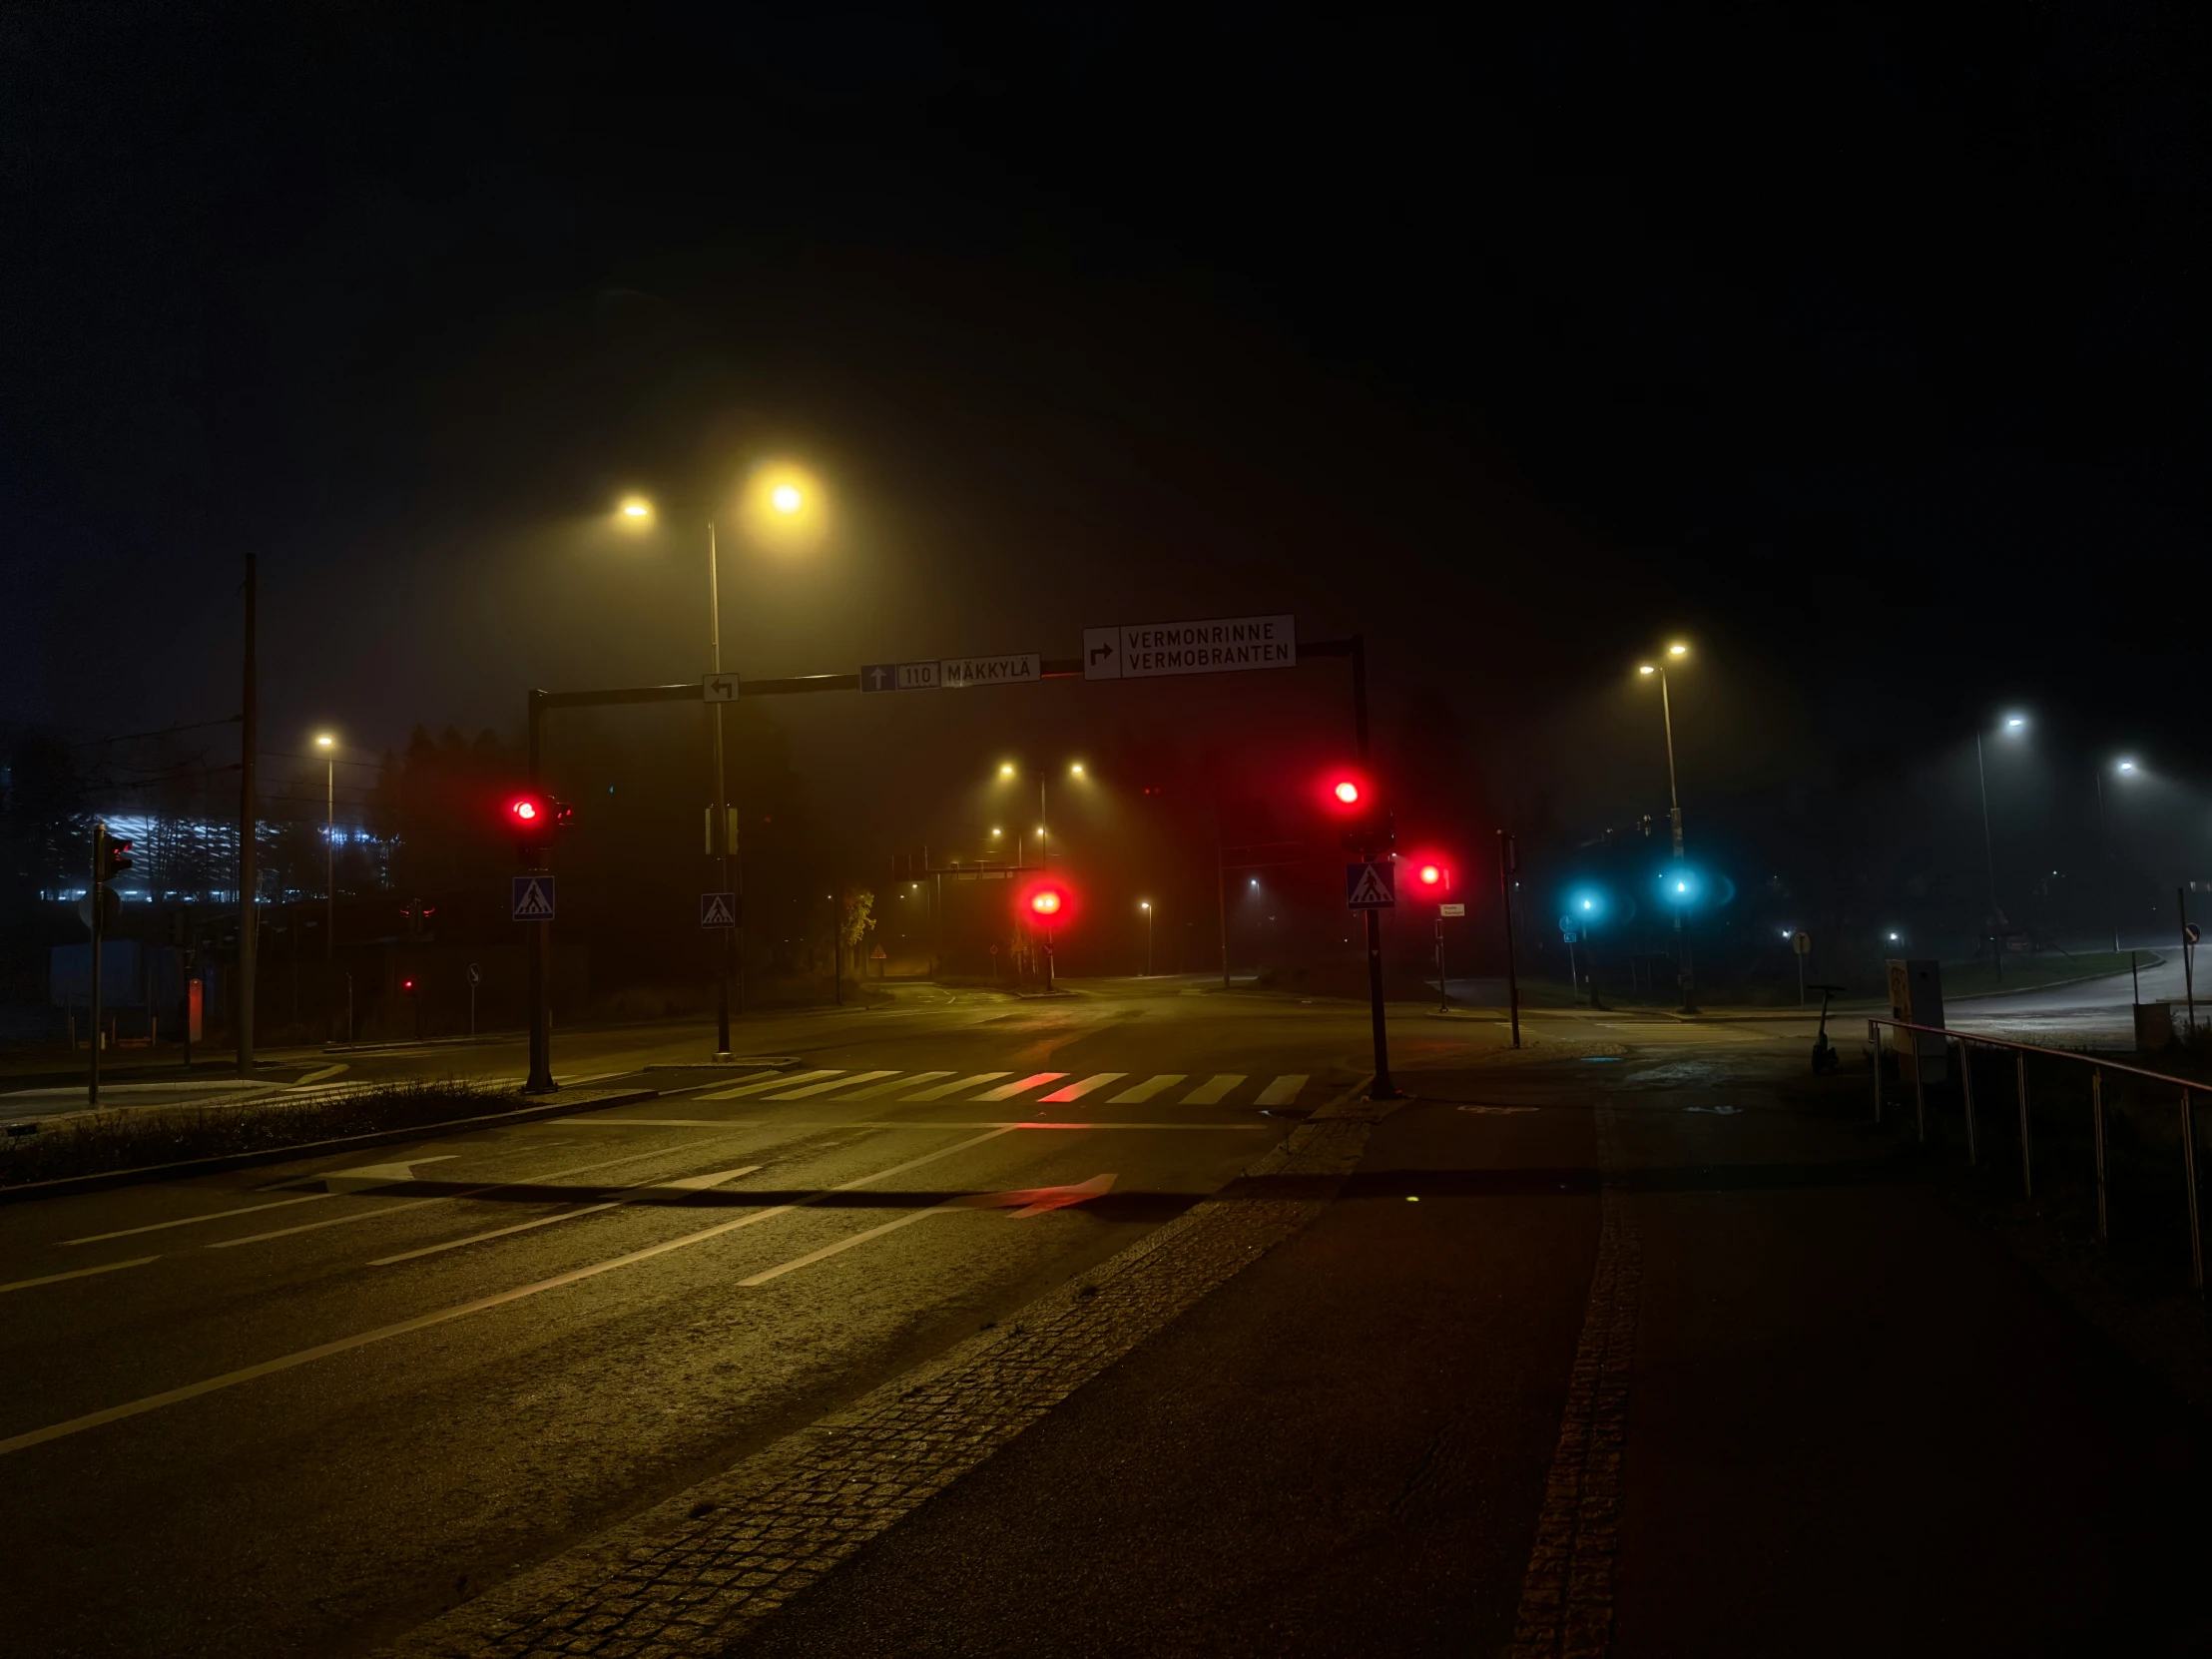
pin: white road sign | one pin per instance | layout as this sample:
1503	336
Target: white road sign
1222	644
899	677
1451	909
1022	667
719	688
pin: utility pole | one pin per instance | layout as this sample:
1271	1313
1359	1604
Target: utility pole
249	829
99	928
721	804
329	888
1221	889
1990	861
1508	860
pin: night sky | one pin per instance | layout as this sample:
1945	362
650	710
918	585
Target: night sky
1869	354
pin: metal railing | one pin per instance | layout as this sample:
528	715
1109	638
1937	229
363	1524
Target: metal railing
2021	1052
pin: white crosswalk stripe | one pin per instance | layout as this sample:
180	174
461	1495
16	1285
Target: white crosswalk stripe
813	1089
1212	1091
1036	1080
1076	1091
778	1082
1148	1088
832	1085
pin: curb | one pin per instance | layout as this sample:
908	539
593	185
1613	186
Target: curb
70	1184
2052	985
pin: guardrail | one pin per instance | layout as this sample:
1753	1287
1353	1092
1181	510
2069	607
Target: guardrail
2021	1052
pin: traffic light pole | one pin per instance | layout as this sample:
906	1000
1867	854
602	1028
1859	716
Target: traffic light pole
541	939
1506	860
250	940
99	929
1383	1088
721	805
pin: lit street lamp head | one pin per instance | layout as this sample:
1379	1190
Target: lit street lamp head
786	499
1678	651
1646	667
325	740
636	509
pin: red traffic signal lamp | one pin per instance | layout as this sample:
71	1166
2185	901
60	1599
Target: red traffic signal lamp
1370	826
1432	875
1046	904
111	856
1346	792
536	819
406	987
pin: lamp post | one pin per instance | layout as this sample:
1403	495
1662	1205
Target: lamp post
1007	769
330	747
1683	973
779	505
1145	904
2125	769
2013	724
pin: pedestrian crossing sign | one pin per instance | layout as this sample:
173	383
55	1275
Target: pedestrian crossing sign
718	910
1371	887
533	898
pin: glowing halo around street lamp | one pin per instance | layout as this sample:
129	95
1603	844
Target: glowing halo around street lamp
1678	651
325	740
785	507
636	509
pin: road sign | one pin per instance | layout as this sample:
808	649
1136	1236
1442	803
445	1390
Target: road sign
475	973
719	688
533	898
899	677
1566	924
1371	887
2191	932
718	910
1451	909
1022	667
1223	645
1801	943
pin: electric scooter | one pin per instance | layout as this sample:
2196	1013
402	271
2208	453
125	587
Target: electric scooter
1824	1052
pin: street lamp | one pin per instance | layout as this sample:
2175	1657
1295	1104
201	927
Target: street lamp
1007	769
2126	768
1145	904
2014	725
782	506
1675	653
330	747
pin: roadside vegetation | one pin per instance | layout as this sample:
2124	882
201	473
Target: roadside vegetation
99	1143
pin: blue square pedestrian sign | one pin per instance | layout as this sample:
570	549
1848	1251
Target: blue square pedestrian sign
533	898
718	910
1371	887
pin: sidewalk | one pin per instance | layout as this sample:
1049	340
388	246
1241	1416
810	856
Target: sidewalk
1808	1411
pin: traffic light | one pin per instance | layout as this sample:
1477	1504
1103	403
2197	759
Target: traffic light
111	856
1048	904
1369	825
536	819
1432	875
407	986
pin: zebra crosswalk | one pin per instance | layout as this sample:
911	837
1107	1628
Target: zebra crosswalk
832	1085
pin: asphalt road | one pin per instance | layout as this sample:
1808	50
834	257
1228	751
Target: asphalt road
243	1415
306	1408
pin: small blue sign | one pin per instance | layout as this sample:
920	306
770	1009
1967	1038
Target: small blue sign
1371	887
533	898
718	910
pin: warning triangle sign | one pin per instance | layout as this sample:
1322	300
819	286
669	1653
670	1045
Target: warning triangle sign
1369	888
533	899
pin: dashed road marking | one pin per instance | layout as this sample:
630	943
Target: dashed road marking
1210	1093
1148	1088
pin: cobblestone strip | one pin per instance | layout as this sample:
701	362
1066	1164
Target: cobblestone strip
1566	1606
691	1576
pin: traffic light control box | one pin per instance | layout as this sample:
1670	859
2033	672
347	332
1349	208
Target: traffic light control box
1917	997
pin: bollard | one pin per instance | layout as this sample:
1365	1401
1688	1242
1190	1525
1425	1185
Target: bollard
2189	1176
1965	1088
2027	1166
2097	1123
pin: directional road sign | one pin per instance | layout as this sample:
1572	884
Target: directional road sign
2191	932
533	898
718	910
719	688
1451	909
475	973
1021	668
896	677
1371	887
1223	645
1801	943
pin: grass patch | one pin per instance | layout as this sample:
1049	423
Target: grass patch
100	1143
2026	972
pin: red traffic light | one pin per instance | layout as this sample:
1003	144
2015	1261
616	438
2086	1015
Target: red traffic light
529	812
1046	902
1346	792
1431	875
406	987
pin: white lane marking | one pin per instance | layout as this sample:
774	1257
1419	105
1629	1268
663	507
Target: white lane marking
368	1176
442	1198
1033	1200
775	1082
1281	1091
1076	1091
1148	1088
834	1083
379	1170
78	1273
193	1221
423	1322
943	1089
325	1072
1036	1080
1210	1092
898	1081
690	1183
